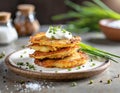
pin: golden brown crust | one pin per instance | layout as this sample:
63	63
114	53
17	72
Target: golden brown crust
61	53
76	59
42	48
41	39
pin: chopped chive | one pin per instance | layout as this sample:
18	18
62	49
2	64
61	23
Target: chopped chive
93	64
69	69
2	54
31	66
52	37
91	60
23	46
26	68
64	31
91	82
54	33
21	56
109	81
27	63
21	82
20	63
50	31
74	84
79	67
60	26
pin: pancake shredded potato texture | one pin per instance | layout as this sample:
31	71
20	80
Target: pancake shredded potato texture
59	53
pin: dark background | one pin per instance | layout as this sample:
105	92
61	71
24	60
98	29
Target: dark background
45	9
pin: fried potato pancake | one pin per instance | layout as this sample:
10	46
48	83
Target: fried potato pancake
76	59
61	53
42	48
41	39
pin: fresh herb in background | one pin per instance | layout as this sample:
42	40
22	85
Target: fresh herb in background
97	52
86	15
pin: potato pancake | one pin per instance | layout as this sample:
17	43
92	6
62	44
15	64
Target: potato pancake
76	59
61	53
42	48
41	39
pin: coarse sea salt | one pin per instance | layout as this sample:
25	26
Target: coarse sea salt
114	24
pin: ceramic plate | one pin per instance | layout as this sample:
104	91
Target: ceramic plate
20	63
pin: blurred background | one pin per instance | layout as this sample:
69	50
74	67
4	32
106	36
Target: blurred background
77	15
45	9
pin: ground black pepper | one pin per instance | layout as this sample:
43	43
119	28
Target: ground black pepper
101	81
3	77
4	81
5	70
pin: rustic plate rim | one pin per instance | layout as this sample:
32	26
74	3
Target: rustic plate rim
101	68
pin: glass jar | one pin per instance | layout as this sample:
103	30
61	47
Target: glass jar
25	21
7	31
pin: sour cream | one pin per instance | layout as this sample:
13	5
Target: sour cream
58	33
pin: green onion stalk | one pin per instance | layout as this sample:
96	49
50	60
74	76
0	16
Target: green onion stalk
97	52
86	16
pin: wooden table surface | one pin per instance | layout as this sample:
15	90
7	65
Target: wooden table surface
12	83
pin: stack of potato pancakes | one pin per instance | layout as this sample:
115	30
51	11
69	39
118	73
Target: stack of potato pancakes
60	53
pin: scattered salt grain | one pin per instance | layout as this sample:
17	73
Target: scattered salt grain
33	86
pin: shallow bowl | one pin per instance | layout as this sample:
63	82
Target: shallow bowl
110	32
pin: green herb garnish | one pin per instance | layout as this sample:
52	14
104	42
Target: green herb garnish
93	64
74	84
54	33
69	69
23	46
27	63
2	55
69	33
86	16
97	52
50	31
20	63
91	60
21	82
53	29
109	81
91	82
30	66
21	56
79	67
52	37
64	31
